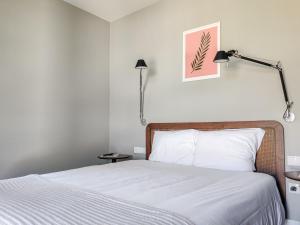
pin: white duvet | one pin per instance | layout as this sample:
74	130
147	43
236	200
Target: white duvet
204	196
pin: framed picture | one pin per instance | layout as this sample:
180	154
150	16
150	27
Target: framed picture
200	46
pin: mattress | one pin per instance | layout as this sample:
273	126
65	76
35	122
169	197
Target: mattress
204	196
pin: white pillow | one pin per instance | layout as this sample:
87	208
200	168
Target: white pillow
174	147
233	150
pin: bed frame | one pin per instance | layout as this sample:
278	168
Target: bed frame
270	157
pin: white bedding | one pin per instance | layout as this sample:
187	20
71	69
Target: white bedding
34	200
204	196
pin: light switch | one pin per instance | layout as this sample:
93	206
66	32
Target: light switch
139	150
293	161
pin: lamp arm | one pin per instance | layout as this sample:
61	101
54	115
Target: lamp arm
278	67
257	61
142	119
289	104
286	96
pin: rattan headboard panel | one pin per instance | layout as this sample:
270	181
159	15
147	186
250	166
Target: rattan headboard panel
270	157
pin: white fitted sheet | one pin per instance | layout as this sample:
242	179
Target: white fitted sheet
205	196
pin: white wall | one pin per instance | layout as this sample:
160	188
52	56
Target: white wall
267	29
54	81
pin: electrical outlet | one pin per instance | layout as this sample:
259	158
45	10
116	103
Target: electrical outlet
294	188
293	161
139	150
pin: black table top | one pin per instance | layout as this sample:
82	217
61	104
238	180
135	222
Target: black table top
114	156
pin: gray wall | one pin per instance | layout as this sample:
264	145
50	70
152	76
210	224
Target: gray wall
267	29
54	81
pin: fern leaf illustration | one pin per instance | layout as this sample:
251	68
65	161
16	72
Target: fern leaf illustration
199	58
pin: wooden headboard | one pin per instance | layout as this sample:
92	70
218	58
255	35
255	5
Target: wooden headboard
270	157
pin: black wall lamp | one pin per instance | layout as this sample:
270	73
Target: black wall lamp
223	57
141	65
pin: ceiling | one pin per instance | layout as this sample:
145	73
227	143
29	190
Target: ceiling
111	10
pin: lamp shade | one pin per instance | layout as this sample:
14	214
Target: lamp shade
141	64
221	57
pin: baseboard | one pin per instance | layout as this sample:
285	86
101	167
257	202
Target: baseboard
292	222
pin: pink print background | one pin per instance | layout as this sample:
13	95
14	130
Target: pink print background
192	43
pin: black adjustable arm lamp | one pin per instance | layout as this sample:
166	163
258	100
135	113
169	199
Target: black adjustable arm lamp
223	57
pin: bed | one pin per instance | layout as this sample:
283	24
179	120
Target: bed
146	192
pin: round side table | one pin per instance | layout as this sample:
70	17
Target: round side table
294	175
114	157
